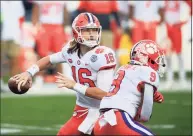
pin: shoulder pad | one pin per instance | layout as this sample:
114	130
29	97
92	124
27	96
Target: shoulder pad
102	58
148	75
65	49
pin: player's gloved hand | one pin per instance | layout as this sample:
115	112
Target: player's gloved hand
158	97
22	78
63	81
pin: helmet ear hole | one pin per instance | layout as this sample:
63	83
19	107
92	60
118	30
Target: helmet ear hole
134	53
152	62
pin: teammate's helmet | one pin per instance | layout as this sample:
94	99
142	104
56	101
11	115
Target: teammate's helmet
83	21
148	53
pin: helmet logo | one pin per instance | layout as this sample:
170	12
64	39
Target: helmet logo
151	48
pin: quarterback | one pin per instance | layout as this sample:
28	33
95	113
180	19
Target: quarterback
92	68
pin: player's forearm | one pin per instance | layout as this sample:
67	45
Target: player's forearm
95	92
35	14
39	65
92	92
161	13
43	63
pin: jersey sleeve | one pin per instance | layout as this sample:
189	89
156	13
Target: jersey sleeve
60	57
104	79
149	76
104	60
57	58
65	50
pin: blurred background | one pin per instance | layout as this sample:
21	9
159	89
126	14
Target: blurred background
33	29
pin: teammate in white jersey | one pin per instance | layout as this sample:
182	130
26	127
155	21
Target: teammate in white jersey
146	15
49	18
92	67
130	99
174	24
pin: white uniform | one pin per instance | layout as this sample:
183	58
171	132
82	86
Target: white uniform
86	68
11	12
172	11
147	11
28	39
51	12
127	97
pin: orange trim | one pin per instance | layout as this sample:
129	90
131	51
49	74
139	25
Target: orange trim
21	21
140	87
80	112
107	67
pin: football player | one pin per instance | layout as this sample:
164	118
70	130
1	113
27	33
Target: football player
146	16
174	23
49	18
92	68
130	99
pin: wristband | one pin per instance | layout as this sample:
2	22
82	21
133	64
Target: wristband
33	70
80	88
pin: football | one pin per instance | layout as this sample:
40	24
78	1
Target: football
13	86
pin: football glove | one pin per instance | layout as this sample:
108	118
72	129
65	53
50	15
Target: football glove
158	97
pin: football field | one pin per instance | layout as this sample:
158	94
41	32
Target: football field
44	115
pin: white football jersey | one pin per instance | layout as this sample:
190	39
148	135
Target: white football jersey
51	12
172	11
11	12
125	93
85	69
147	10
